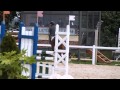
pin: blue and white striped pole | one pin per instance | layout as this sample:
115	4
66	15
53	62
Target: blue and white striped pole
35	40
19	35
2	31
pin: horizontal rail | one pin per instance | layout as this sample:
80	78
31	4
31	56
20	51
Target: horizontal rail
46	76
14	31
108	48
46	58
44	65
76	46
61	51
61	33
47	52
45	45
15	35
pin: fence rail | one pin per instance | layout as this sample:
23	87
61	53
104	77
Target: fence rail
87	47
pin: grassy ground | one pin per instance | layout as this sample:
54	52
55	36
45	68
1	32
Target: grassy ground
113	63
80	62
90	62
107	53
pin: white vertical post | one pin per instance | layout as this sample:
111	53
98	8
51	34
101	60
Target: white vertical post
119	38
69	21
56	46
30	42
43	69
96	43
67	48
96	37
65	56
38	68
53	72
93	55
27	43
22	39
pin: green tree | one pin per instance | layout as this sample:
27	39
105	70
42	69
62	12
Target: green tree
12	64
11	59
8	44
110	28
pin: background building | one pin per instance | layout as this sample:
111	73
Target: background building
85	22
82	29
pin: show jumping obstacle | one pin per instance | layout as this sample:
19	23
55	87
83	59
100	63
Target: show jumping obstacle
28	38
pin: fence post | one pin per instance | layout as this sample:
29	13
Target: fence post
19	35
35	41
2	30
93	56
67	48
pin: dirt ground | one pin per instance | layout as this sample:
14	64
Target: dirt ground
85	71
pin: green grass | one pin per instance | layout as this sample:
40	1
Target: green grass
80	62
114	63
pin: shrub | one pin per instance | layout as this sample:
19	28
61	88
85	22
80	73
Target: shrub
11	59
11	64
8	44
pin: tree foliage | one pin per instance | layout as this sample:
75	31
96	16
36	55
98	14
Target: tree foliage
8	44
110	28
12	64
12	60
